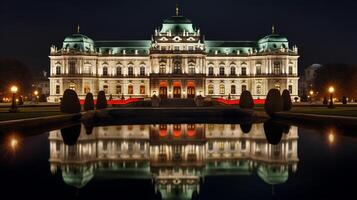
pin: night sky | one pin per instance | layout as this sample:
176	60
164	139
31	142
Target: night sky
325	31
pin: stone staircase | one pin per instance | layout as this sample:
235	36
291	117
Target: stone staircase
177	103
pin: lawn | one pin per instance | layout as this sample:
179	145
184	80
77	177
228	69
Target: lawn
28	112
340	111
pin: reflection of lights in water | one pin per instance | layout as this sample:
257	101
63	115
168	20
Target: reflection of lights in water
14	143
331	138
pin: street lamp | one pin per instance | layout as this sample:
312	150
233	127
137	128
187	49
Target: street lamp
13	90
311	93
36	96
331	90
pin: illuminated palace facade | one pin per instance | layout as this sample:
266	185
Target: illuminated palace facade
176	157
178	62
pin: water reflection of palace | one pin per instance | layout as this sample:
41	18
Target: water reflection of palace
176	156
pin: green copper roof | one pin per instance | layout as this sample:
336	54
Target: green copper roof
124	43
273	38
177	24
222	44
273	174
78	42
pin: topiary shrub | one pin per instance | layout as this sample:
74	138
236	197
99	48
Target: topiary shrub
101	100
344	100
246	100
70	102
273	102
88	102
286	100
71	134
273	132
325	101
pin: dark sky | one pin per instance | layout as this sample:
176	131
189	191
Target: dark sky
325	31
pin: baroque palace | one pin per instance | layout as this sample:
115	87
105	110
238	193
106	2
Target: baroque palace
176	63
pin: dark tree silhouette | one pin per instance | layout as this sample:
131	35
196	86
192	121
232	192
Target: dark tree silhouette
70	102
273	102
287	104
246	100
71	134
88	102
101	101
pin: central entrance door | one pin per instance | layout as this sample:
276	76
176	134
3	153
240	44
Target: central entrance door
163	92
190	92
177	92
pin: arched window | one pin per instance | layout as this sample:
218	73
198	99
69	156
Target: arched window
259	89
142	71
162	69
106	89
118	89
258	69
233	71
86	89
210	71
58	70
72	86
221	71
233	89
191	69
87	69
58	89
142	89
119	72
222	89
130	89
210	89
105	71
130	70
244	88
244	71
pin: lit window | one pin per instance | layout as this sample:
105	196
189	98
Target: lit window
191	70
105	89
86	89
258	70
130	89
72	86
221	89
162	69
142	89
118	90
210	89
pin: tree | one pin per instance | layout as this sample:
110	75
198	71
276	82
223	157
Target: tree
273	102
344	100
70	102
286	100
101	101
88	102
246	100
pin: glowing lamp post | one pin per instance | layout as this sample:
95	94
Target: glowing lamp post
311	94
331	90
13	90
36	96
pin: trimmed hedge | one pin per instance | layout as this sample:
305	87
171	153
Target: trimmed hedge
88	102
70	102
287	104
273	132
71	134
101	101
246	100
273	102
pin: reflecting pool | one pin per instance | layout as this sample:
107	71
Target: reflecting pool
268	160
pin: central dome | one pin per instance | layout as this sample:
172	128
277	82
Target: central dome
177	25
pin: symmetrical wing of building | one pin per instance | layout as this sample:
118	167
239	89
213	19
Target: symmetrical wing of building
175	156
178	62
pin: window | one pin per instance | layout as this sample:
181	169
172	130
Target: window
210	146
221	89
191	70
243	145
244	88
58	70
233	71
177	67
58	89
142	89
277	69
72	86
130	89
290	89
221	71
259	89
72	67
233	146
142	71
233	89
105	71
86	89
118	89
210	71
130	71
177	48
290	71
105	89
244	71
87	69
190	48
258	70
119	71
142	146
162	69
210	89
